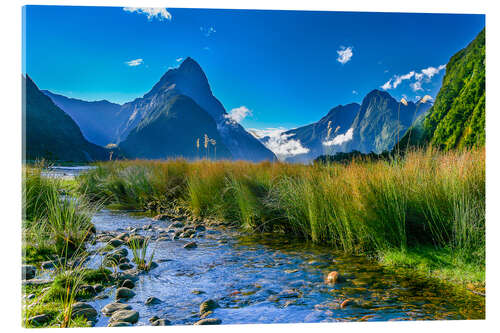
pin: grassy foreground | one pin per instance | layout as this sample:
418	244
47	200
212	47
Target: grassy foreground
56	229
425	213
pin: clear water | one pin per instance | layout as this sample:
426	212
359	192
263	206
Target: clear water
65	172
272	279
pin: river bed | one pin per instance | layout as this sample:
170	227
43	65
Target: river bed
271	279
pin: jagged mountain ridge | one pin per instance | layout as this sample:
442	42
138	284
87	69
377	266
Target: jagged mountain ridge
312	136
369	127
104	122
98	120
375	128
189	80
172	131
50	133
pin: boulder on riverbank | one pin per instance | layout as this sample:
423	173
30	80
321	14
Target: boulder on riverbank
120	277
129	316
87	290
111	308
115	242
116	256
119	324
209	321
123	236
161	322
36	282
152	301
85	310
208	305
190	245
39	319
177	224
28	272
124	293
125	266
128	284
333	277
188	233
47	265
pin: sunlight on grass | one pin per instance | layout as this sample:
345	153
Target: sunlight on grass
429	198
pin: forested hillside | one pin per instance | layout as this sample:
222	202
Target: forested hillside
457	119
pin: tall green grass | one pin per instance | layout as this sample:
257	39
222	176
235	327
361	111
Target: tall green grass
56	227
140	253
429	198
52	223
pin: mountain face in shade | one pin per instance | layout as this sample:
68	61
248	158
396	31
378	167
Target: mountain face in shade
52	134
313	136
172	130
375	128
98	121
190	81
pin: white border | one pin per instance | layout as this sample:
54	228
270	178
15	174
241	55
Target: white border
10	112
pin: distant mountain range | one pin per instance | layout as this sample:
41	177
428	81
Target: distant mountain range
99	120
189	80
167	121
50	133
313	136
179	117
456	120
172	130
369	127
380	120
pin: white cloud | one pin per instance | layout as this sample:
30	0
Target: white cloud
282	145
340	139
238	114
135	62
431	71
152	13
400	78
179	59
425	75
345	54
416	86
208	31
262	133
387	85
354	92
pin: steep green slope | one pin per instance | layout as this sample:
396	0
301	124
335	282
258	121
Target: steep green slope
457	119
50	133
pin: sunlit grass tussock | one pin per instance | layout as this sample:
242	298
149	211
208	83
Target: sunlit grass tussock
53	224
429	198
56	228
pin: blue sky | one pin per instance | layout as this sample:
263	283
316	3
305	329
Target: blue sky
288	68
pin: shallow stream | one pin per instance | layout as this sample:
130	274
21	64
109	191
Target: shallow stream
271	279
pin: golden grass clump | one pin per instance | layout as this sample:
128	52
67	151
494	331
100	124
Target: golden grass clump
428	198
